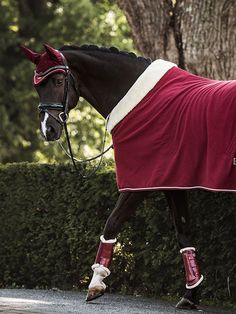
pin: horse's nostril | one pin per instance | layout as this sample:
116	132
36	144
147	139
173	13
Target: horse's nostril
50	129
51	133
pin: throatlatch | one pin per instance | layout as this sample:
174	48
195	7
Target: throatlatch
192	272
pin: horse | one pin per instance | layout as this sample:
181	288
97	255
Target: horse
120	86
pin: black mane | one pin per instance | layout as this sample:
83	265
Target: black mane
104	49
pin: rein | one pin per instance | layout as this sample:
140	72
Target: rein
75	160
63	116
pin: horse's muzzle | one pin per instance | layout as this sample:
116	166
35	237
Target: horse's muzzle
51	132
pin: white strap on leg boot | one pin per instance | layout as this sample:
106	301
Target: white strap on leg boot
100	272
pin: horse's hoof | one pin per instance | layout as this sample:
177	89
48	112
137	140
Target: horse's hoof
94	293
186	304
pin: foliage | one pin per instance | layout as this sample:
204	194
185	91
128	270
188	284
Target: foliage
56	22
46	233
51	221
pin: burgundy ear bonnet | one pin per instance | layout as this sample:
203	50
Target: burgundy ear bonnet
51	61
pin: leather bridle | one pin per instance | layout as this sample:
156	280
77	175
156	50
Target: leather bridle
63	115
63	106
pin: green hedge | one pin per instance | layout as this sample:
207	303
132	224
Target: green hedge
51	220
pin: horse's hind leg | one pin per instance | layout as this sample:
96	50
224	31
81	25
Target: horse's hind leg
125	207
179	207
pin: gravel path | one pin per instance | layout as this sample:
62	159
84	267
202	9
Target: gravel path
14	301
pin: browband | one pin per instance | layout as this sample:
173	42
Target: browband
57	67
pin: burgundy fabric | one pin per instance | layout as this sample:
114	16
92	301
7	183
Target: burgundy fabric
192	272
46	61
104	254
181	135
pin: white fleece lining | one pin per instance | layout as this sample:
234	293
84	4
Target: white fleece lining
100	272
145	82
196	284
107	241
187	249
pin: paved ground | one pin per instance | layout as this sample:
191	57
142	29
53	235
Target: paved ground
13	301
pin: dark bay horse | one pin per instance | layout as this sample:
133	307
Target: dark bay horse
103	76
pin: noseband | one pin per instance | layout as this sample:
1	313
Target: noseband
62	117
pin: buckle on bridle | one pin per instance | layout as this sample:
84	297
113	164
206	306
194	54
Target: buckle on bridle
63	117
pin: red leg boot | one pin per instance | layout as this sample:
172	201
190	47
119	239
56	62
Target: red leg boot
100	269
193	276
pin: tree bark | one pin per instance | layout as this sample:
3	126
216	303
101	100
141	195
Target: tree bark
208	36
151	25
197	35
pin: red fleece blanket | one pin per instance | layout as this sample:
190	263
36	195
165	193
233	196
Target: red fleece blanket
182	135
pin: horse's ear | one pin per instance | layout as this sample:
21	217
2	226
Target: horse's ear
53	53
31	55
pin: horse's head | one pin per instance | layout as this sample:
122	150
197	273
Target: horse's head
57	89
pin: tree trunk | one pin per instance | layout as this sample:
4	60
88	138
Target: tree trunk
197	35
208	36
151	24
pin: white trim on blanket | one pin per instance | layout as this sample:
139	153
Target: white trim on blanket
145	82
176	188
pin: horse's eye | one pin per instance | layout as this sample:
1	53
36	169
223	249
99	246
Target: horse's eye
58	82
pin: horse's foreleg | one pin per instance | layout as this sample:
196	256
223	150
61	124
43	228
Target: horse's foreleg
125	207
179	208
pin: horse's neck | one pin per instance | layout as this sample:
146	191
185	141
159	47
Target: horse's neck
104	78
